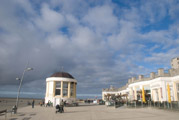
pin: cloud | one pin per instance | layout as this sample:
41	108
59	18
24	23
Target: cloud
49	20
58	41
173	11
154	11
99	18
101	43
125	37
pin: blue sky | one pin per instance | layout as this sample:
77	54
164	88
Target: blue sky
100	43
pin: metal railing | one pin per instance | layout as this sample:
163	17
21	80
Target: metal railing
174	105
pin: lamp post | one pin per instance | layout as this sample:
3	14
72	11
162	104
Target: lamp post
21	80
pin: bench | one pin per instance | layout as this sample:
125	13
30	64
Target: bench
4	112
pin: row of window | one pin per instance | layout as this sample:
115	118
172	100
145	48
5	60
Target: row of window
65	88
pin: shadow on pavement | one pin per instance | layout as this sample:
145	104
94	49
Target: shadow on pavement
33	114
26	118
13	119
84	105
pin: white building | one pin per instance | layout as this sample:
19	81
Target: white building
155	85
60	86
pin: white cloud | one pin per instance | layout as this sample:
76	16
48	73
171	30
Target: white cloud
26	5
72	20
125	38
174	9
162	58
50	20
153	11
102	19
58	41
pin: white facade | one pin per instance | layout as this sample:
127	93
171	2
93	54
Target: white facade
157	88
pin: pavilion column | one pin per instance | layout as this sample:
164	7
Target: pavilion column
74	90
175	92
151	94
61	88
47	89
54	87
131	94
135	93
159	94
69	89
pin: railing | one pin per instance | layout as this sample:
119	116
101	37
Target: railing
174	105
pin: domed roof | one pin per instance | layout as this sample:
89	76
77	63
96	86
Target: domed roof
62	74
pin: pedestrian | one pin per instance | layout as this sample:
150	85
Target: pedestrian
43	103
62	105
33	102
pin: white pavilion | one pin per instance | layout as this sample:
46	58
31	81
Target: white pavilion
60	86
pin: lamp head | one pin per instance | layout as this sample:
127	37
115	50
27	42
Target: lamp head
17	78
28	69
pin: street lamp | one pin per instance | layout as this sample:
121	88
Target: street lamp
21	80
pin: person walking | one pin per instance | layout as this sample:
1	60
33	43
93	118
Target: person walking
33	102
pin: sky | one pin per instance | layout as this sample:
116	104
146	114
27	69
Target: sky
99	42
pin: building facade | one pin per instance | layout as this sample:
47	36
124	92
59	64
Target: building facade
60	86
159	87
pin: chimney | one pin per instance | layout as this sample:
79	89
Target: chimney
129	81
160	72
152	75
133	79
141	77
171	71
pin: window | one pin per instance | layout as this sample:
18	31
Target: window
65	92
58	88
177	90
58	84
71	89
178	87
65	88
58	92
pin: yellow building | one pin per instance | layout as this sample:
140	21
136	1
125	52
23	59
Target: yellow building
60	86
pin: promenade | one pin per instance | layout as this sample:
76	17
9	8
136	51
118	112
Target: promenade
92	112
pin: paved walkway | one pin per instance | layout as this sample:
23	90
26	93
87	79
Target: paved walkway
93	113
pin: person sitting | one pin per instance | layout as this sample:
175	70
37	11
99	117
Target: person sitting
48	104
59	108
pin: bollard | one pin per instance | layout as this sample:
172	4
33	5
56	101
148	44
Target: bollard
159	104
164	105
